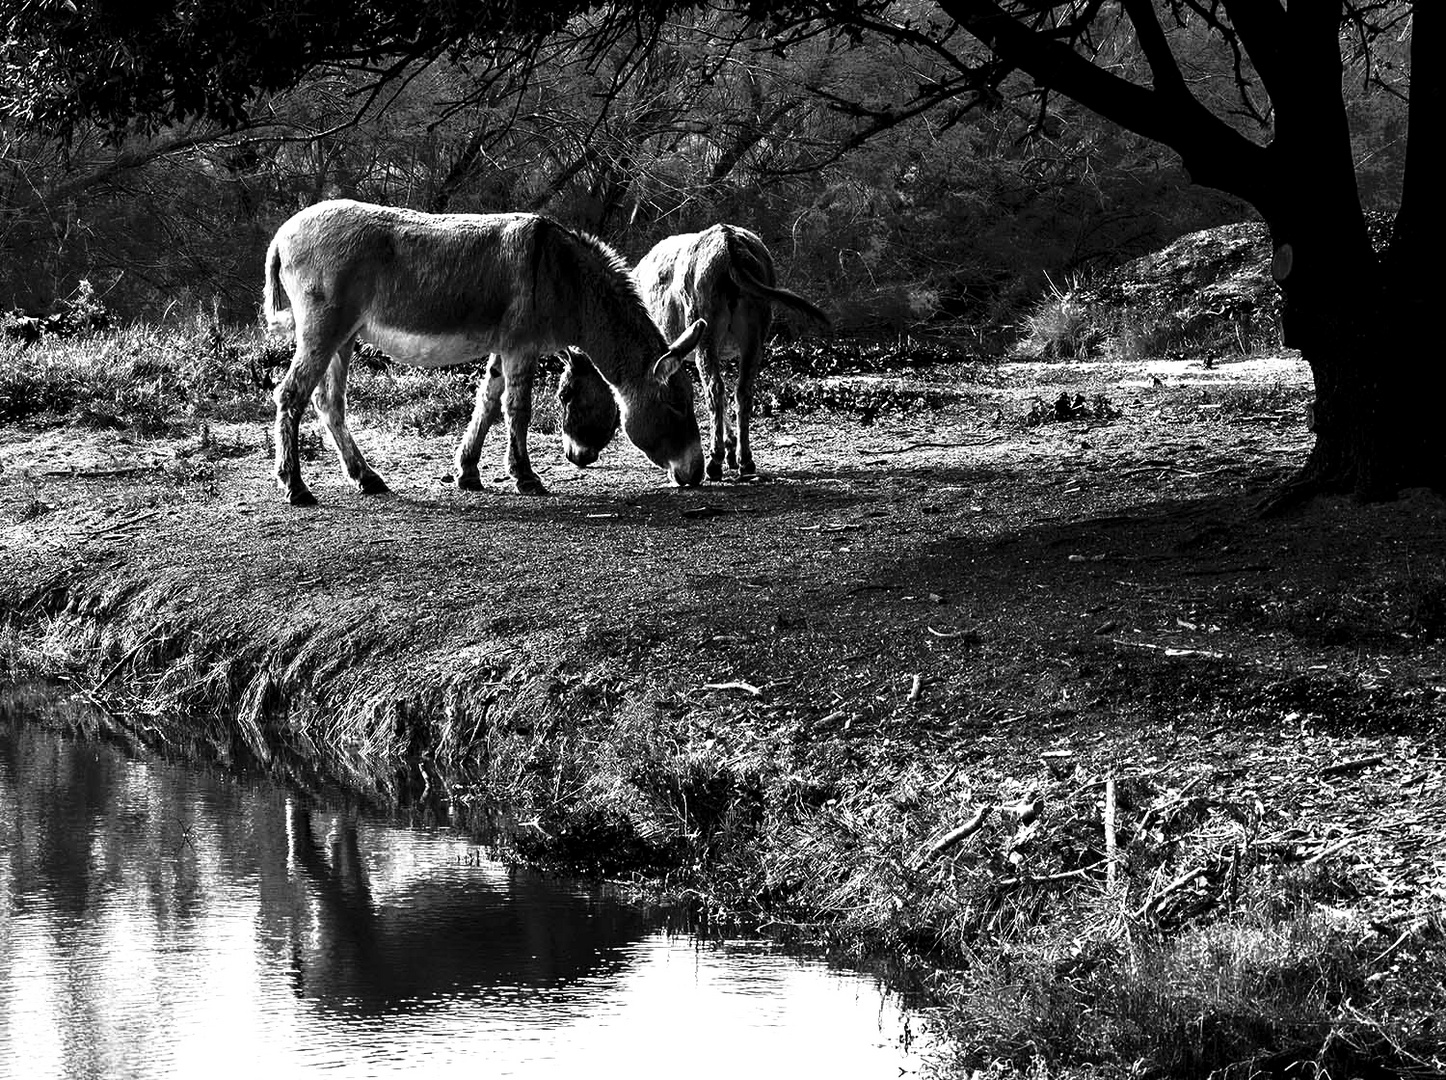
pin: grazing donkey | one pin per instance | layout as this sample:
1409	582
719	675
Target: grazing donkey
437	289
723	275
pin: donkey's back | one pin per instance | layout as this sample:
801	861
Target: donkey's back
427	289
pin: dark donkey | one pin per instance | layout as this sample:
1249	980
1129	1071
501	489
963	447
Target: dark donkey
438	289
723	275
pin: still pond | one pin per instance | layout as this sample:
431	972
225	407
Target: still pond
168	920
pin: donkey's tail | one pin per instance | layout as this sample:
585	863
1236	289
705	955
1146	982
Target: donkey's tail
276	305
750	282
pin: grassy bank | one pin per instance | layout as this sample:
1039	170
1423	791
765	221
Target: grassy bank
1132	780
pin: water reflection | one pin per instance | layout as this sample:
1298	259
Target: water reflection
166	920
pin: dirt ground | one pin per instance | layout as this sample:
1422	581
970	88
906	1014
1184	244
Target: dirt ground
939	607
770	693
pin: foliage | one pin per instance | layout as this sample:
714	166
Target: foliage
148	379
1059	327
933	220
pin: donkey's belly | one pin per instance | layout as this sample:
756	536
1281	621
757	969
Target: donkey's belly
427	349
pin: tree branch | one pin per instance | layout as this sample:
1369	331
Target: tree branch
1214	153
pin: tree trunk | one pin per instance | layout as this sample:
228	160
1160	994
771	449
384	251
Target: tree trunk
1344	305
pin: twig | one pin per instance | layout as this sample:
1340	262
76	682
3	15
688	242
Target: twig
128	470
1324	852
954	836
1174	886
1111	875
916	688
122	662
126	524
1352	766
747	687
1049	879
982	440
1209	571
1171	650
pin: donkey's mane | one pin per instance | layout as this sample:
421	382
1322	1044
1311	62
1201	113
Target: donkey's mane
617	275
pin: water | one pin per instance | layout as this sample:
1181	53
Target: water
165	920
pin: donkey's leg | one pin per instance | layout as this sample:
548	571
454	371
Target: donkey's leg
484	414
715	396
314	348
329	399
518	371
750	355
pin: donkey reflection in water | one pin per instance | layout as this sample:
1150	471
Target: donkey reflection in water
723	276
438	289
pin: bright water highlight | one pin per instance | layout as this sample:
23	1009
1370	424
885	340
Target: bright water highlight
164	920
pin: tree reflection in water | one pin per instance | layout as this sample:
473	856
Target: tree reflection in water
159	919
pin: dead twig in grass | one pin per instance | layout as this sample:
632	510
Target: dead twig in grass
1326	852
128	470
1175	886
1051	879
935	848
121	526
748	688
122	662
1111	867
982	440
1351	766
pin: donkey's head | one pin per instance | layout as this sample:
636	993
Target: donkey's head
657	410
588	410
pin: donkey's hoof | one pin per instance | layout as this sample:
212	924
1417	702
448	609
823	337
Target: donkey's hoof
372	484
300	496
715	469
469	481
531	485
747	468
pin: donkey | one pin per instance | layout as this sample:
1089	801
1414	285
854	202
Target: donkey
724	276
438	289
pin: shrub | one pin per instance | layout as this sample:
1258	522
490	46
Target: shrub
1060	327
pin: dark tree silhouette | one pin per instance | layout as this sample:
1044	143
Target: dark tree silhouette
1362	321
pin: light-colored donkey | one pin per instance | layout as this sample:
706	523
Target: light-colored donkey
438	289
723	275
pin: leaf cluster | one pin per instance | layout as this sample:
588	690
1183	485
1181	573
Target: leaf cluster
137	65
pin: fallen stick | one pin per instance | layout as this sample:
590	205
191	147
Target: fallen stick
122	662
126	524
1174	886
1208	571
1339	845
747	687
1049	879
953	836
981	440
916	689
1352	766
127	470
1111	875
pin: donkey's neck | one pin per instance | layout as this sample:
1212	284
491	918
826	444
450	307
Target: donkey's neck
623	342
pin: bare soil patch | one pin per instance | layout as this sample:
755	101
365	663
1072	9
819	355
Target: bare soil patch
998	584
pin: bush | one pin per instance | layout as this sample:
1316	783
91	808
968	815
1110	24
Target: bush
1060	327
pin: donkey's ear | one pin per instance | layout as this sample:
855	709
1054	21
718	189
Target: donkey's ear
665	365
690	338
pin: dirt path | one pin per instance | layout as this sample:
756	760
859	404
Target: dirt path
919	594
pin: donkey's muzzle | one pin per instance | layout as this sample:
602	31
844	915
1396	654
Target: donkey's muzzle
687	471
578	453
